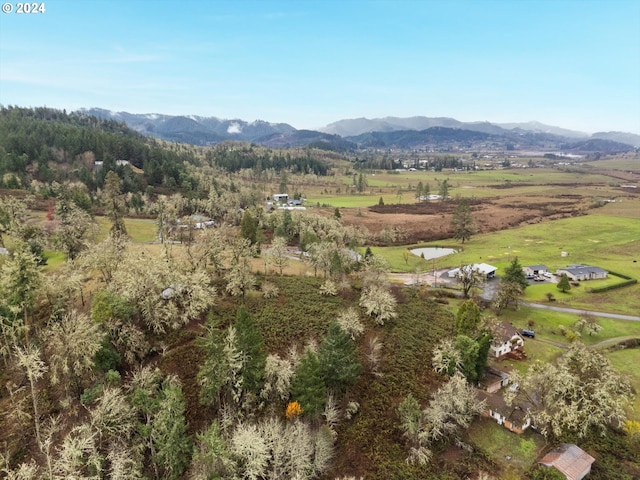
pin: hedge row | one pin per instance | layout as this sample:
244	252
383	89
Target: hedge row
621	275
631	281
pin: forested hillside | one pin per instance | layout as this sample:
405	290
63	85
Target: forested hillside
46	145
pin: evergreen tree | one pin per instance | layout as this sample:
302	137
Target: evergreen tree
444	190
307	387
468	350
462	222
251	345
249	228
114	203
213	372
484	344
283	181
20	279
338	359
467	318
169	431
564	285
514	273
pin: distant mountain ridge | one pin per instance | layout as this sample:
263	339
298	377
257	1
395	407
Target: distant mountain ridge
358	126
351	134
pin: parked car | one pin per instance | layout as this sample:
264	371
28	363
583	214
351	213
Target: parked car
529	333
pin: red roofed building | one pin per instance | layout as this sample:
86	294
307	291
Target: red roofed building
570	460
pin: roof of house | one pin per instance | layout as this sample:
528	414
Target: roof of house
504	332
492	376
538	267
569	459
514	413
579	269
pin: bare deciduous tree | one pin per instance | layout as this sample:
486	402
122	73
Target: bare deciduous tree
582	391
72	344
452	407
278	253
379	303
468	278
349	321
29	359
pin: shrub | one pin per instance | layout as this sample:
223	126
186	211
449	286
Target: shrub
91	394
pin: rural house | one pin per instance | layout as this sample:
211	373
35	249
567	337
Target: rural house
570	460
493	380
506	339
514	418
579	272
535	270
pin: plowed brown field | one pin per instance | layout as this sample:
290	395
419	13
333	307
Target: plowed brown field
432	221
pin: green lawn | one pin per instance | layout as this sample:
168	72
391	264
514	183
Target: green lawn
606	241
547	325
627	361
141	230
359	200
515	453
395	256
54	259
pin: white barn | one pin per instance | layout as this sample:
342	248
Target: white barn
489	271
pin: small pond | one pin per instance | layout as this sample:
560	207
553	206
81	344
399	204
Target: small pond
433	252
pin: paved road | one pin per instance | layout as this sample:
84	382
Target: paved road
601	345
580	311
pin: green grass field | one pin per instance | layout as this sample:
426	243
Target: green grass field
515	453
539	181
609	242
627	361
547	325
141	230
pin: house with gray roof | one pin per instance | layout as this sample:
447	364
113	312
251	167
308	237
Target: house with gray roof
535	269
579	272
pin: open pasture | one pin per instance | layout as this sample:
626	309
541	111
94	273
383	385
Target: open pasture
626	361
515	453
481	184
610	242
547	325
140	230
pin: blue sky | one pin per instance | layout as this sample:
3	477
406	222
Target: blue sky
574	64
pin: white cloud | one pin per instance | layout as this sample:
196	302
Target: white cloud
234	128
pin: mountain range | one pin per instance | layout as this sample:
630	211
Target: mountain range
389	132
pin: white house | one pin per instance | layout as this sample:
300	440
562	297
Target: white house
578	272
514	418
506	339
485	269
